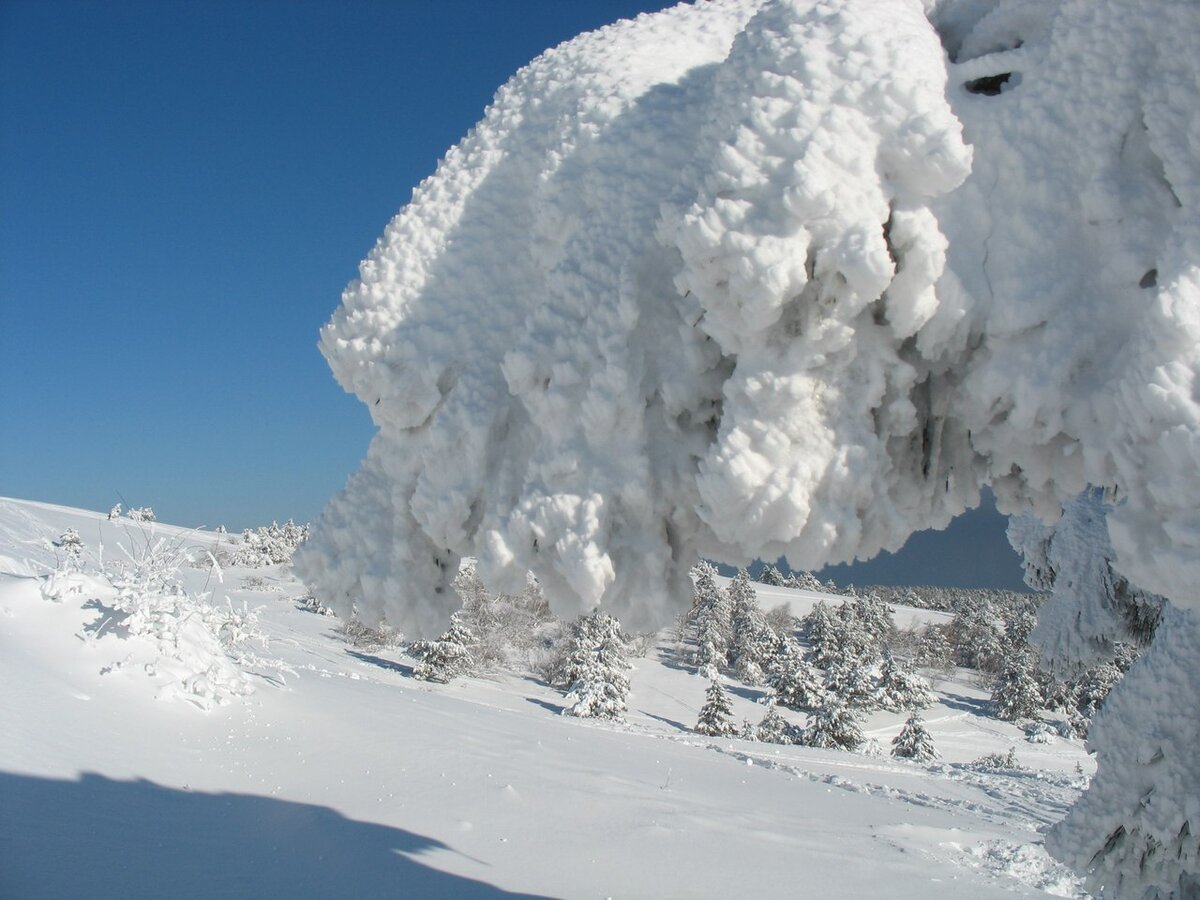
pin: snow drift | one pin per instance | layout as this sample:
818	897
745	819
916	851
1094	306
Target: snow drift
783	278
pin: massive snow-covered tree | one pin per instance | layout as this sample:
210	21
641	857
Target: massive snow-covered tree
784	278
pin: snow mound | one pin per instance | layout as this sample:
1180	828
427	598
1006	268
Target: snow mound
792	278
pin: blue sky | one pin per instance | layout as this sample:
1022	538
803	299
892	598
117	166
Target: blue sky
185	188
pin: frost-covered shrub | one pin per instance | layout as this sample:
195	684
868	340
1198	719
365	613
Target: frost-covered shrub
115	512
204	651
141	514
999	761
370	637
309	603
1041	733
270	545
508	629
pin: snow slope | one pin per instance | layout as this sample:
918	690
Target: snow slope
783	278
353	779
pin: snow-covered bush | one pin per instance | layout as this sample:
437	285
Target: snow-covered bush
115	512
508	629
269	545
140	514
999	761
204	651
369	637
71	545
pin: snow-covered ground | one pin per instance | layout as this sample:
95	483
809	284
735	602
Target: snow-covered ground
353	779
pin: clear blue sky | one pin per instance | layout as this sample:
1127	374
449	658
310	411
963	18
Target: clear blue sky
185	188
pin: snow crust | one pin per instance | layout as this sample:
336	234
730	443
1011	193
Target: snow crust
771	277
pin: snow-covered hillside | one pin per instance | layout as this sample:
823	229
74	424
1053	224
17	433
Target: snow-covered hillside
350	778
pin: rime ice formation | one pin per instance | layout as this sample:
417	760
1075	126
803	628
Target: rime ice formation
783	277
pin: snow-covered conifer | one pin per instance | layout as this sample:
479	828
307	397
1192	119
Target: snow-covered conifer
900	687
850	681
447	657
775	729
716	715
1015	694
711	618
833	726
771	576
933	649
914	741
72	546
754	642
795	684
115	512
575	655
602	687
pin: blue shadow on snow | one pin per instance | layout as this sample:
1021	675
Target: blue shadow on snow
100	838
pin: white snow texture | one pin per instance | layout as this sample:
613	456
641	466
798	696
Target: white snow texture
755	278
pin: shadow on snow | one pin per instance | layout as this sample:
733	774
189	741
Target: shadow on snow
101	838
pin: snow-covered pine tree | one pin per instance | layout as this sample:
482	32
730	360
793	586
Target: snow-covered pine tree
795	684
71	544
933	650
716	715
771	576
775	729
447	657
602	688
754	641
913	741
711	617
977	637
900	687
833	726
115	512
850	681
574	658
1015	694
806	581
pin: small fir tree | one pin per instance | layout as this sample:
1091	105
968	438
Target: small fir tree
933	650
574	658
913	741
1015	694
71	544
754	641
775	729
447	657
716	715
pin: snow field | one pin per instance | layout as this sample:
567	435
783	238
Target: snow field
353	778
